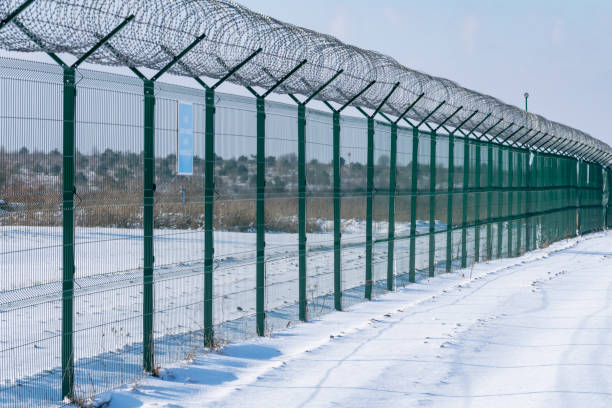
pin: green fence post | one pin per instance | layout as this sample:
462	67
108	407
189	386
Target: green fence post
369	209
500	200
209	192
510	197
557	214
260	216
608	217
563	193
580	192
337	209
413	203
519	201
568	225
548	198
575	212
550	205
68	189
392	189
489	200
432	204
68	233
529	198
449	210
466	182
477	205
302	210
149	189
536	184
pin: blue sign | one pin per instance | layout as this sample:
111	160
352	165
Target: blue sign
185	139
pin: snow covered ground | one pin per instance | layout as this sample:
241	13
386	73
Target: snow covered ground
108	296
533	331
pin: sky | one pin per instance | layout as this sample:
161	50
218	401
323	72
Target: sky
558	51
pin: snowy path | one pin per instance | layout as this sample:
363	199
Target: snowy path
534	331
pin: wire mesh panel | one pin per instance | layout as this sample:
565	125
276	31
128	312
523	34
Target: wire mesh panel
504	197
30	232
109	234
471	209
497	202
591	198
500	199
424	198
319	213
403	198
538	204
440	219
458	202
512	203
178	239
608	198
234	221
281	214
30	174
380	223
354	154
523	160
482	193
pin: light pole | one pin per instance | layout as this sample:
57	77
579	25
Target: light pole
526	97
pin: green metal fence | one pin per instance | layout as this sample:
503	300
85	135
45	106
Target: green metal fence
113	264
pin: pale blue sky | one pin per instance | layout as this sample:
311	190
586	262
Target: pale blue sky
559	51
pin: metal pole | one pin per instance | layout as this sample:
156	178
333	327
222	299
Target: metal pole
519	201
337	208
528	198
149	190
527	194
369	209
209	193
489	200
392	190
500	200
260	215
535	195
466	182
510	198
302	210
413	203
68	233
580	185
449	210
477	206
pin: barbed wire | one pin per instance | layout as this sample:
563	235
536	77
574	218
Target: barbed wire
163	28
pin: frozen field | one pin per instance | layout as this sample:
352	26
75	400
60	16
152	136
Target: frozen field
108	295
533	331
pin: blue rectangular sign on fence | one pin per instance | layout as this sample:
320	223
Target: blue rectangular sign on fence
185	139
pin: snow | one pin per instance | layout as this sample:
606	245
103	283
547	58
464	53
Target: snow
108	296
533	331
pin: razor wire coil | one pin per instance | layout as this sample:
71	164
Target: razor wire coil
161	29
